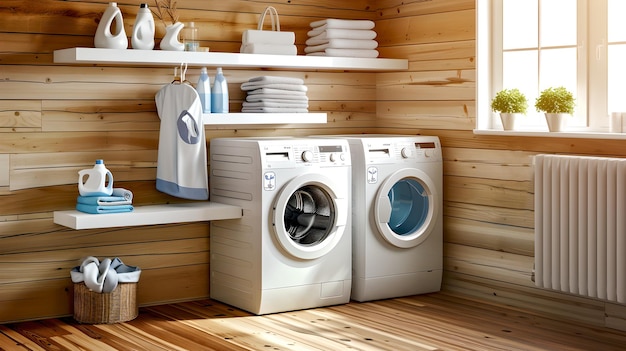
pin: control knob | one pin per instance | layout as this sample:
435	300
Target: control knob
307	156
406	152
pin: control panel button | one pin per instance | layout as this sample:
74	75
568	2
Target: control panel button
332	158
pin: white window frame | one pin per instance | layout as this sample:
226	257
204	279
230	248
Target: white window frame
487	61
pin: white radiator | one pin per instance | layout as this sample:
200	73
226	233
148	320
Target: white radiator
580	225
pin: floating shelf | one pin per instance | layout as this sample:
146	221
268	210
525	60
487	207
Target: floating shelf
223	59
263	118
150	215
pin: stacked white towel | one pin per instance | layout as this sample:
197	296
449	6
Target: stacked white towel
268	42
272	94
342	38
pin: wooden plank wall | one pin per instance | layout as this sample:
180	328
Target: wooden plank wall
57	119
489	218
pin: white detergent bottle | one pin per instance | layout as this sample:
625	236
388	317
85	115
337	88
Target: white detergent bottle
219	93
143	30
98	182
107	39
204	90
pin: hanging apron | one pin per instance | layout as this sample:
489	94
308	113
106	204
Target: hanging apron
182	160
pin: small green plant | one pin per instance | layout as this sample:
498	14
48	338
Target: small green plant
555	100
509	101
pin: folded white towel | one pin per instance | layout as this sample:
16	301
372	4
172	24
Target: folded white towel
343	44
277	104
347	53
276	97
258	85
281	92
274	110
343	24
277	79
125	193
268	49
341	34
268	37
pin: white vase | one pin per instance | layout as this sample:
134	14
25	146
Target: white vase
171	39
557	122
508	120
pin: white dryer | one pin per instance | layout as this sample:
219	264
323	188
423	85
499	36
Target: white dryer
397	215
291	249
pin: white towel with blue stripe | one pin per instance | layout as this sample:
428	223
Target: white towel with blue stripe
182	160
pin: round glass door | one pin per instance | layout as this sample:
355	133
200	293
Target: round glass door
405	208
409	206
308	217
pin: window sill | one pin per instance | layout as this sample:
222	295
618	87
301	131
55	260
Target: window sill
568	134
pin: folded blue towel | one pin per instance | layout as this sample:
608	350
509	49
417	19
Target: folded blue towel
95	209
103	200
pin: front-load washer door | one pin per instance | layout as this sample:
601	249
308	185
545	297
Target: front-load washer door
308	216
406	207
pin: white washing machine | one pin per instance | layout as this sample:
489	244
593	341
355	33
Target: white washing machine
397	215
291	249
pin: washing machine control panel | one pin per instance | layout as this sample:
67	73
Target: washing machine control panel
326	154
386	151
333	153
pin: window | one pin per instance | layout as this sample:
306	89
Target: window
535	44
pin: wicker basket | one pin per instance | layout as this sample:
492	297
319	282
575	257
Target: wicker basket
91	307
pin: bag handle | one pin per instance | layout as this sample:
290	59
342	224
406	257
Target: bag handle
273	17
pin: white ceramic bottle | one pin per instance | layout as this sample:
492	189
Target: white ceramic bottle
204	90
219	93
105	38
98	182
143	30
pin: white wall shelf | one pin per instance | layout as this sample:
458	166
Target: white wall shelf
223	59
150	215
263	118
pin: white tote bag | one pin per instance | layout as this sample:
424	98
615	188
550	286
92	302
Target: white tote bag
274	41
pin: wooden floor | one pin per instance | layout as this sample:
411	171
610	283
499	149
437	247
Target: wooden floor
439	321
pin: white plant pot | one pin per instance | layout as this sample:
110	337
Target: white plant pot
508	120
557	122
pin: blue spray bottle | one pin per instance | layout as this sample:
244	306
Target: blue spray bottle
204	90
219	93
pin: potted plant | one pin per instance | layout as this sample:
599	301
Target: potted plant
557	104
510	103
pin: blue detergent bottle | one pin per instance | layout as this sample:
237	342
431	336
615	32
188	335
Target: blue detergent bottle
204	90
219	93
96	181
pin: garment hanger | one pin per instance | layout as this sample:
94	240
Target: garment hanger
182	77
